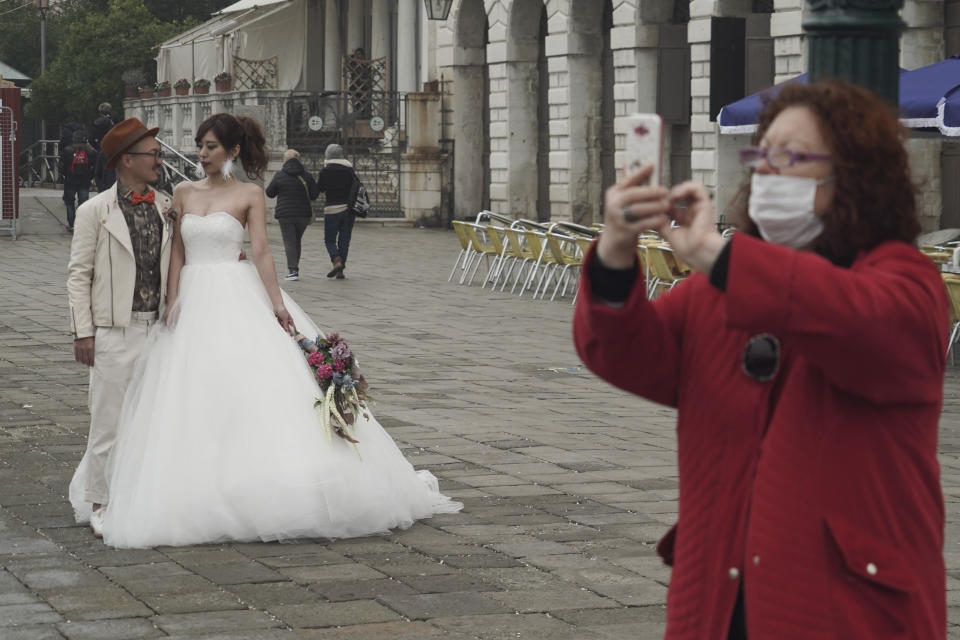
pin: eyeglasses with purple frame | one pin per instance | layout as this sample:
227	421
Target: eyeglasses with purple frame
777	157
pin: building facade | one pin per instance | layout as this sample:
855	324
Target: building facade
540	91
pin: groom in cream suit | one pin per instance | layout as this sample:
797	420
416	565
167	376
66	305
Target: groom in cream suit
116	284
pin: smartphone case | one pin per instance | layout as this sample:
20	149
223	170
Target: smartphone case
645	144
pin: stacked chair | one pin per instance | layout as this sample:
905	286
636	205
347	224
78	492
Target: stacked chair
543	258
525	255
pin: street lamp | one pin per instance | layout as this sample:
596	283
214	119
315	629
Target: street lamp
438	9
43	5
858	41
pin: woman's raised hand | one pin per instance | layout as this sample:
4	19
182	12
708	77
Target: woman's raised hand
631	207
695	239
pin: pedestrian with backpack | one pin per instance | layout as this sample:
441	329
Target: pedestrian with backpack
343	190
76	160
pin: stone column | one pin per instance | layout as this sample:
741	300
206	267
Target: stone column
331	46
921	44
422	166
380	30
355	26
469	67
407	45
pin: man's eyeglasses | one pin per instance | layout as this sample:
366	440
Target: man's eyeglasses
777	157
156	153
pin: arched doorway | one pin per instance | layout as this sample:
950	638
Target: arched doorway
471	106
528	116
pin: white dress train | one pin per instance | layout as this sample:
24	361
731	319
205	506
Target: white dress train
218	438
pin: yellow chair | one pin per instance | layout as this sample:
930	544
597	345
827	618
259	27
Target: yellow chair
952	283
565	254
484	245
536	242
517	251
664	267
464	257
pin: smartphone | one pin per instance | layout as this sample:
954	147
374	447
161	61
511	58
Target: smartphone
644	144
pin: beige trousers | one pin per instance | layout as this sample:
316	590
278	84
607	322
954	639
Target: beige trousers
116	350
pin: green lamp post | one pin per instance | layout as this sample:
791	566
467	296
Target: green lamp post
858	41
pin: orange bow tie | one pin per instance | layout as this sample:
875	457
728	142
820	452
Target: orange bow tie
136	198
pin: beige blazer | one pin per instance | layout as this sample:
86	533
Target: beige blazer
102	269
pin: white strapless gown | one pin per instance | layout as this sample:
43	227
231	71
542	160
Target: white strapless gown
218	438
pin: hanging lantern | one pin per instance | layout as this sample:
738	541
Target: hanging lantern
438	9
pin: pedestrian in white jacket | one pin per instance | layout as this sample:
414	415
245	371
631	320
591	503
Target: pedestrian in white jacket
116	285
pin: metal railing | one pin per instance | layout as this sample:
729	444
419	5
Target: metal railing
176	168
40	164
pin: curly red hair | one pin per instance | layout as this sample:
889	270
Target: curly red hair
875	197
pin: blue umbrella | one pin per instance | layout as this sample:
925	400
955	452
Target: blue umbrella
920	92
948	113
741	116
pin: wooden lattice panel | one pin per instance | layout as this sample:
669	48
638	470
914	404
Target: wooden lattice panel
255	74
364	81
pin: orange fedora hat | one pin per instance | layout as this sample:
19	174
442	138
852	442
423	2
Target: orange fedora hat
122	136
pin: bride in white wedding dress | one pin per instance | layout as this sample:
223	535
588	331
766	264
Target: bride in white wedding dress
218	438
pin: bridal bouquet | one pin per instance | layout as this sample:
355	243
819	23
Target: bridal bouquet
343	389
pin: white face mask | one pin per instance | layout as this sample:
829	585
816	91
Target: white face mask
782	208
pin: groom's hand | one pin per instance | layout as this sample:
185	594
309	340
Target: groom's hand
83	350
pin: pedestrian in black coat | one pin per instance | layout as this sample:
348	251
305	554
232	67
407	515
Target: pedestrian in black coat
294	188
101	125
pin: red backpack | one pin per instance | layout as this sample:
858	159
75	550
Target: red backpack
80	165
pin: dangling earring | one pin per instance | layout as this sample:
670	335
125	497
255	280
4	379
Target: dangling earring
226	171
198	171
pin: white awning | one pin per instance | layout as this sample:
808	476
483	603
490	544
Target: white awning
243	5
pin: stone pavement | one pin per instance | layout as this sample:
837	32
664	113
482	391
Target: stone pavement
567	482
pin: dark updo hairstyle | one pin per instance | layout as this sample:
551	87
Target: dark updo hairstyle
875	199
242	131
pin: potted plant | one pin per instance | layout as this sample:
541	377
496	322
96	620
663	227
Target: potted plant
146	91
163	89
132	79
201	85
182	86
223	81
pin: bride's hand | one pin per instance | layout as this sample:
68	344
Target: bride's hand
283	317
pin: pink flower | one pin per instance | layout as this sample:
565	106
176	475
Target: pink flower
324	372
339	366
315	359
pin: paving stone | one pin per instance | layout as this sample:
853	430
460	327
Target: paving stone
332	614
213	621
211	599
120	629
266	634
31	632
95	603
531	626
337	572
432	605
268	595
542	600
378	631
305	559
339	591
480	561
23	614
248	572
447	583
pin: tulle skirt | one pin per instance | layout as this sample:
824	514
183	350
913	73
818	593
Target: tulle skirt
219	440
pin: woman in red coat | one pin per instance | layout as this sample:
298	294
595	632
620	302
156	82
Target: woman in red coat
806	361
